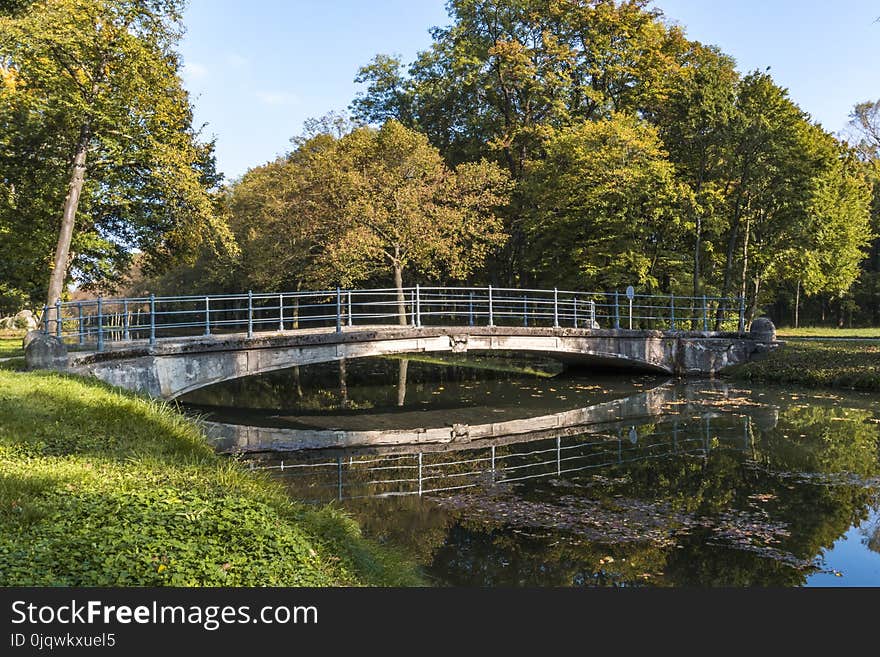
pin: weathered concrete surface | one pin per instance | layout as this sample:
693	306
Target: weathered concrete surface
45	352
174	367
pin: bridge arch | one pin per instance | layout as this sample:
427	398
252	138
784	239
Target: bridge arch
170	369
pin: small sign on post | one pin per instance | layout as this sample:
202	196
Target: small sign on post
630	295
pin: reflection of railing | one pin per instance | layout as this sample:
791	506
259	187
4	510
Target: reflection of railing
423	473
97	322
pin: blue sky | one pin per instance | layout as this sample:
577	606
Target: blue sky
257	69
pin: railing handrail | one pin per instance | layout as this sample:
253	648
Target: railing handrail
122	319
306	293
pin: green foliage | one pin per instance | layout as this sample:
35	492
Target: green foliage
607	207
767	196
400	206
101	77
344	208
100	487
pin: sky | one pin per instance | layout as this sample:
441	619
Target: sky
257	69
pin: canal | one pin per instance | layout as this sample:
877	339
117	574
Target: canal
513	472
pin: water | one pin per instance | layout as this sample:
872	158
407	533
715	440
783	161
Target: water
526	475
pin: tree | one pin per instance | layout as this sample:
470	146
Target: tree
694	124
507	74
397	205
282	220
98	80
607	207
865	127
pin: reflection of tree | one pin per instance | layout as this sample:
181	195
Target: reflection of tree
343	383
733	521
404	522
401	381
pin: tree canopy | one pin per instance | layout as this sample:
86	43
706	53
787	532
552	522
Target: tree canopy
554	142
98	155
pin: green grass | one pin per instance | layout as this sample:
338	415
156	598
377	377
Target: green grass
10	345
819	364
828	332
99	487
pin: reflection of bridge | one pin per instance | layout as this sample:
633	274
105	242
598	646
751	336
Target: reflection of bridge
168	347
598	417
610	416
323	477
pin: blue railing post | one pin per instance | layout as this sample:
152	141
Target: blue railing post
207	315
616	309
555	308
152	319
58	319
79	314
525	311
672	311
281	309
471	308
339	477
705	315
126	330
412	307
574	305
250	321
350	313
418	306
338	310
742	314
100	324
491	315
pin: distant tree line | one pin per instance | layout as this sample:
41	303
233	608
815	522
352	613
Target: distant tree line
588	145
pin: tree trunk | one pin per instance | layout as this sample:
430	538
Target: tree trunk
296	308
297	385
797	303
745	263
68	216
697	241
753	306
728	271
401	299
401	381
343	382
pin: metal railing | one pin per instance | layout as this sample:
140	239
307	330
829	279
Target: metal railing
423	473
95	323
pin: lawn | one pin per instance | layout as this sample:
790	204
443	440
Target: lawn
821	364
828	332
100	487
10	344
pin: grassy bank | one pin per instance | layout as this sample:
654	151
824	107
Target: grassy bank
820	364
826	332
101	487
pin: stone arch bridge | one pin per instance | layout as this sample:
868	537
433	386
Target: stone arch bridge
131	351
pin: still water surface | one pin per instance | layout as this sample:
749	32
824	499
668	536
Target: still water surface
560	478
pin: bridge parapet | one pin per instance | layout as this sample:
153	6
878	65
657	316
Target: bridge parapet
104	324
